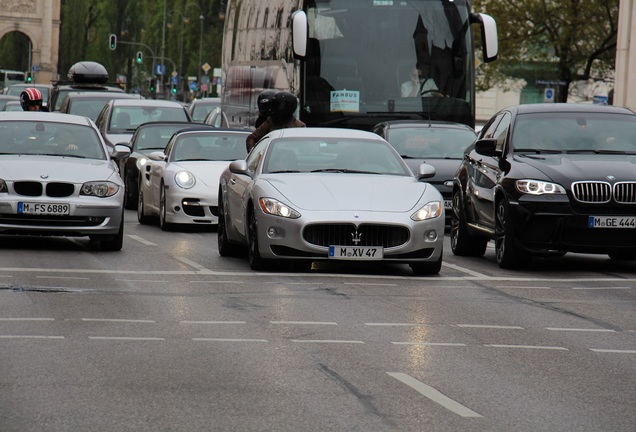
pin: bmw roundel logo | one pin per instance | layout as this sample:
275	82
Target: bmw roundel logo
44	176
610	177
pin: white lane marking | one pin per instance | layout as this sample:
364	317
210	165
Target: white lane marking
228	340
143	280
141	240
600	288
398	324
27	319
369	284
191	263
293	283
522	287
429	343
327	341
29	337
487	326
304	322
434	395
6	276
580	329
527	347
212	322
613	351
118	320
218	282
62	277
465	270
126	338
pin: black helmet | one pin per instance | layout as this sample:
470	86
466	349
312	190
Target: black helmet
284	105
264	101
30	96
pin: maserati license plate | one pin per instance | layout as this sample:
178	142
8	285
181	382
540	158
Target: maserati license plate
611	222
356	252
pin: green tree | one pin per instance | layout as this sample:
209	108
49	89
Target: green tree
564	40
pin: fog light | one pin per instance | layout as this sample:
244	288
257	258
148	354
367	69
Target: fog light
271	232
177	209
431	235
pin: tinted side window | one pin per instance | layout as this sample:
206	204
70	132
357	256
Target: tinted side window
501	132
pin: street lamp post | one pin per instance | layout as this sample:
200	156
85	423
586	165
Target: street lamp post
201	18
183	22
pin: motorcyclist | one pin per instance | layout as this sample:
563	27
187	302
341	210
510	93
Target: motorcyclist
264	103
281	116
31	100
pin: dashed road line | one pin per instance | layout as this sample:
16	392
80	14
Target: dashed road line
580	329
212	322
228	340
434	395
141	240
335	341
397	324
127	338
599	350
527	347
304	322
600	288
118	320
27	319
489	326
429	343
29	337
191	263
62	277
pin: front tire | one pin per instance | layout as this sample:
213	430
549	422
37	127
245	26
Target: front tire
130	197
253	255
162	210
141	214
508	254
117	242
427	268
226	248
462	242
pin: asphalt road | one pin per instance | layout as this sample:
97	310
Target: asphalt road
168	336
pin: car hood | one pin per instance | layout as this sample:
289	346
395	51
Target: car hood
207	172
355	192
57	168
564	169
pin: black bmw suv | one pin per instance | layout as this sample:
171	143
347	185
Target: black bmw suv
547	179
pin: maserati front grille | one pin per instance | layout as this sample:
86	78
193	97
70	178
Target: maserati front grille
348	235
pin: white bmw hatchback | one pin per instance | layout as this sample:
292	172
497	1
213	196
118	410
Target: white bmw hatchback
58	179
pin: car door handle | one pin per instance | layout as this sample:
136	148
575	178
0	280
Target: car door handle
233	181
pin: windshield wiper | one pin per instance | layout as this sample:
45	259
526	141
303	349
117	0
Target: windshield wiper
284	171
597	151
537	151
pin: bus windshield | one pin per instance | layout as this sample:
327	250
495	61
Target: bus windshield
410	57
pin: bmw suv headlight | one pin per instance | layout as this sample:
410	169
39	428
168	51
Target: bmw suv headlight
101	189
431	210
277	208
537	187
185	179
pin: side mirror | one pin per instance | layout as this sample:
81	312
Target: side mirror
300	34
238	166
487	147
157	156
425	171
120	151
490	45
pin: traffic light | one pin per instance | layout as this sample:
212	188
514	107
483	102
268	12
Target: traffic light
173	89
113	41
28	78
140	57
153	84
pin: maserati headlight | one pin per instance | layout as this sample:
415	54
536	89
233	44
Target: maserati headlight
277	208
536	187
185	179
100	189
431	210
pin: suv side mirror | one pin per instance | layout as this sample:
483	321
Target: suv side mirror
487	147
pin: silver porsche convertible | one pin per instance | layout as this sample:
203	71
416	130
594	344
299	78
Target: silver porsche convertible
58	178
308	194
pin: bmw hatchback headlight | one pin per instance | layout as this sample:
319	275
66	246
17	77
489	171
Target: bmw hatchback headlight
431	210
277	208
185	179
537	187
101	189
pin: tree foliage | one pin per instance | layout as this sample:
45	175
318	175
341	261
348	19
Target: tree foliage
139	26
564	40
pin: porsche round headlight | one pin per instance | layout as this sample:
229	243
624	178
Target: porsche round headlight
431	210
185	179
141	162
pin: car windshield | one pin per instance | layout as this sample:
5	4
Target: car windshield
202	108
209	147
574	132
430	142
154	137
50	138
333	155
125	119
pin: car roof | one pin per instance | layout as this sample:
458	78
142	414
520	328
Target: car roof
45	116
101	95
568	107
163	123
317	132
146	102
391	124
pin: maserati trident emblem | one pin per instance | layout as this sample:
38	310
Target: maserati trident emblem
356	238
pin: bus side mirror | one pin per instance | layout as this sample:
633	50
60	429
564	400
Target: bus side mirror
489	41
300	34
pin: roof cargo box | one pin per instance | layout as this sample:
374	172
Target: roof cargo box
88	72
